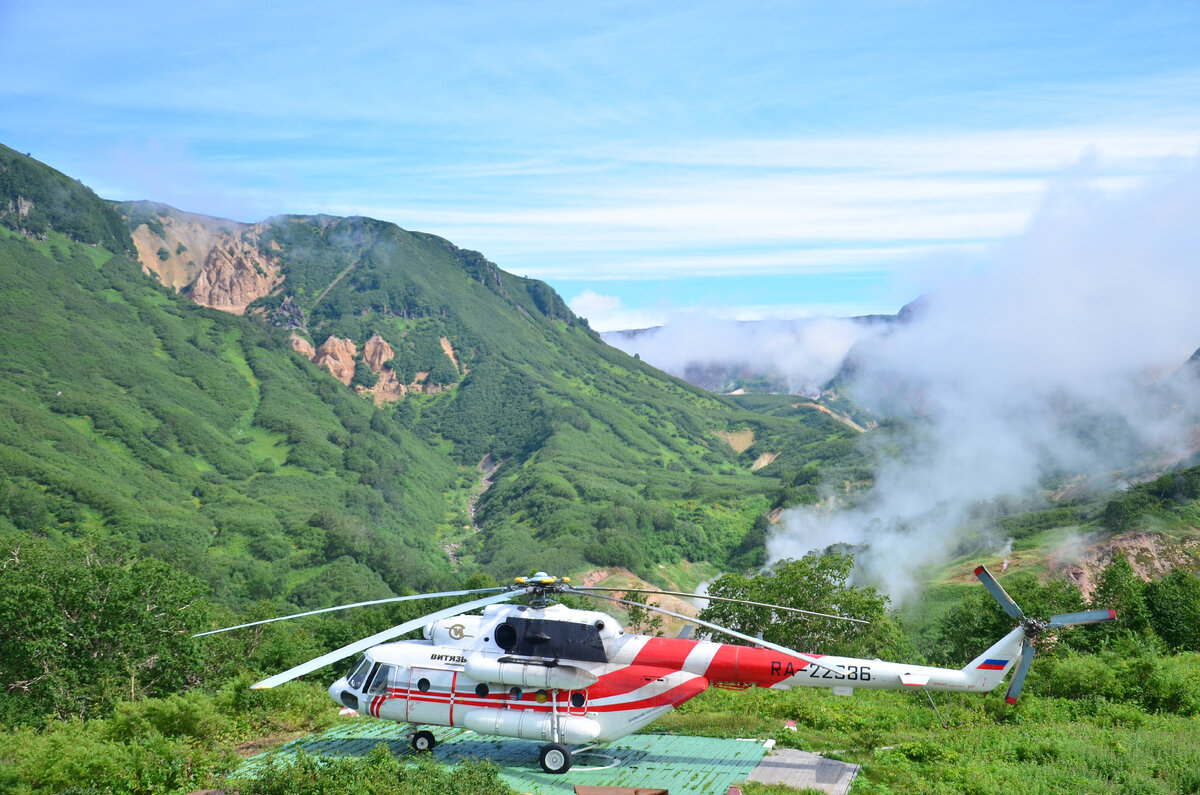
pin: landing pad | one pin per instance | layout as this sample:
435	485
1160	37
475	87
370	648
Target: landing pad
682	765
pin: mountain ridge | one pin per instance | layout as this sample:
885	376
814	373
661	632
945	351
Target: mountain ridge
198	435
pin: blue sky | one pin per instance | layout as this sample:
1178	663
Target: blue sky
747	159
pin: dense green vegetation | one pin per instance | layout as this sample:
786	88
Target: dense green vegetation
202	439
36	200
165	468
1106	708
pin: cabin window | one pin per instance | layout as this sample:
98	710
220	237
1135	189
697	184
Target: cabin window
381	680
356	679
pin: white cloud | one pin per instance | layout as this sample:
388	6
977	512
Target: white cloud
1038	366
605	312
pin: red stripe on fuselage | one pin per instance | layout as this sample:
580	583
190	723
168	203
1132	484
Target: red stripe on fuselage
665	653
763	667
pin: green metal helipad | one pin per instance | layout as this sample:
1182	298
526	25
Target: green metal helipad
679	764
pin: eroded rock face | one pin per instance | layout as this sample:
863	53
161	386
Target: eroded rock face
388	388
214	261
376	353
338	355
303	346
234	274
1148	554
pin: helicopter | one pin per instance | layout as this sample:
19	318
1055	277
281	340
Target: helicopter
570	677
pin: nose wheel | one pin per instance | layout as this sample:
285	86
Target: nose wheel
555	758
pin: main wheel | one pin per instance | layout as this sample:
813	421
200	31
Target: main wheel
423	741
555	758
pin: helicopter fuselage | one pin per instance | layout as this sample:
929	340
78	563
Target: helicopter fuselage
558	674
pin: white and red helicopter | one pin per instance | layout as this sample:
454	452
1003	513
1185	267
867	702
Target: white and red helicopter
564	676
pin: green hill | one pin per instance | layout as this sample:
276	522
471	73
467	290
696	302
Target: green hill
132	415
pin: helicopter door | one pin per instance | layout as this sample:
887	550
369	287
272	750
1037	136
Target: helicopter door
431	696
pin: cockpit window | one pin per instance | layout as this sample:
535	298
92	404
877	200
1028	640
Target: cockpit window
356	679
381	680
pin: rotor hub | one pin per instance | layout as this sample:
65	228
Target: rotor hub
541	586
1033	627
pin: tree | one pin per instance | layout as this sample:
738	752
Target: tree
1174	607
1121	589
816	582
84	629
363	376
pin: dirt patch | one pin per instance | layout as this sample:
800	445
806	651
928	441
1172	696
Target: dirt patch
844	420
740	441
623	578
449	351
260	744
1150	555
766	459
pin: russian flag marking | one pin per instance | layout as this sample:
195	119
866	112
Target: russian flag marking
993	665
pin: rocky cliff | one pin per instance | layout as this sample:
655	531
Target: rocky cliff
339	356
214	261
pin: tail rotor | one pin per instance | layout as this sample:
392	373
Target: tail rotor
1033	627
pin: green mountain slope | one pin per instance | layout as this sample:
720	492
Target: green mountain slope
133	415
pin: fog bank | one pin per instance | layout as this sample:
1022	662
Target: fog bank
1055	361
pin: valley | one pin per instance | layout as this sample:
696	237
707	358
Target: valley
205	421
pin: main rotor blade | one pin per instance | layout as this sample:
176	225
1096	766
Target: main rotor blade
718	628
1086	617
1018	680
718	599
377	638
356	604
998	592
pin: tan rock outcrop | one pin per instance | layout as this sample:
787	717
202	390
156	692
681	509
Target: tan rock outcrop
303	346
376	352
234	274
214	261
338	355
388	388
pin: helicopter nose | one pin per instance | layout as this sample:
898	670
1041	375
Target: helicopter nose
340	692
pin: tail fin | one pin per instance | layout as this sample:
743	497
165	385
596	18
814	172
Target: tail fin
988	670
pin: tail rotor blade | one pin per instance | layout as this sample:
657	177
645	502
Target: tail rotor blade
379	637
1086	617
998	592
1018	680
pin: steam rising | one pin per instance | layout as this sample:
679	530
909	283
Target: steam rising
805	354
1053	363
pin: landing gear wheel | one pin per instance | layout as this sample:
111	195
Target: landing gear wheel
423	741
555	758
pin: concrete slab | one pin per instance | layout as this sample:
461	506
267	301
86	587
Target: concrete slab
803	770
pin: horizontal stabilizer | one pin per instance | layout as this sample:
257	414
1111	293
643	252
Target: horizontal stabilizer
914	680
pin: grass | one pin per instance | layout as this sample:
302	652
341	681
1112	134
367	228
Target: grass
1042	745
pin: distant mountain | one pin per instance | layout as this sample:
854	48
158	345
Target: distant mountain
316	409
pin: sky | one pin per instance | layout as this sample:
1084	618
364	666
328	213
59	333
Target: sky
648	160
